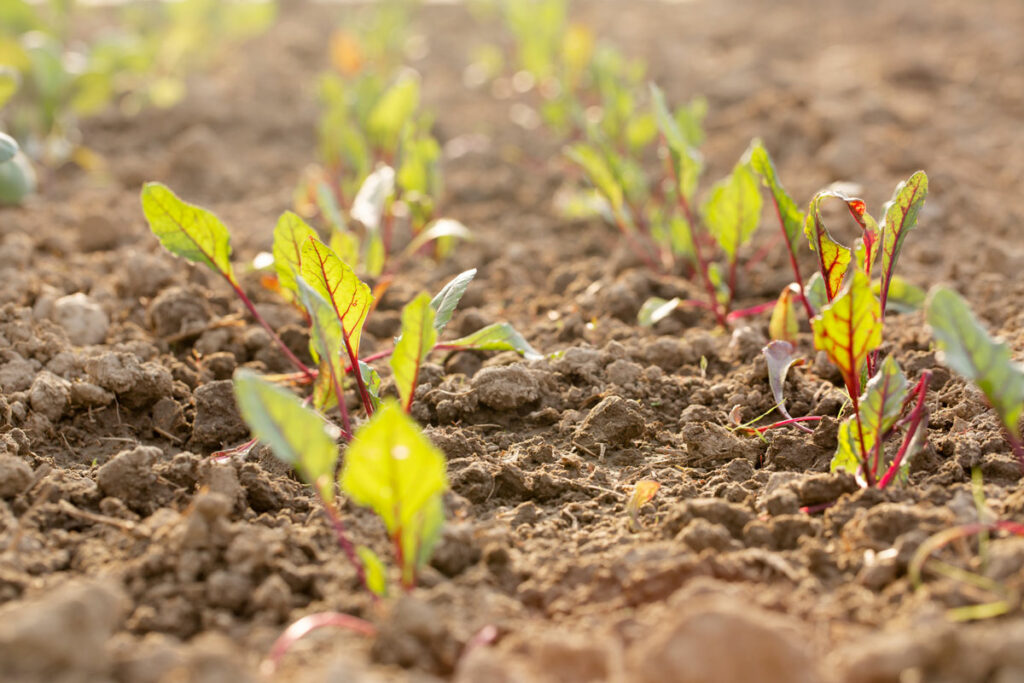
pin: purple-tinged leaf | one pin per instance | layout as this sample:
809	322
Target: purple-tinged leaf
780	356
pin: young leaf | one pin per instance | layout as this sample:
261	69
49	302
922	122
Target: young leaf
655	310
326	343
783	324
792	218
289	236
187	230
394	109
848	329
496	337
368	206
376	574
295	434
447	300
780	356
968	349
394	469
686	162
643	492
870	232
880	407
904	297
413	346
833	257
332	279
900	218
440	230
734	210
372	381
599	173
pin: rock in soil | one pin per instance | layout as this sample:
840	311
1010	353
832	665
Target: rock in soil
614	422
218	422
83	319
506	387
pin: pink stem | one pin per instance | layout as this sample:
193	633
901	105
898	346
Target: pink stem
306	625
916	418
795	421
273	335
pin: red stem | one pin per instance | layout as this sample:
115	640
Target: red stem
791	421
343	540
792	261
916	418
306	625
273	335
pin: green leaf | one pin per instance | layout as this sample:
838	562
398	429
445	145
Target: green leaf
655	310
849	328
969	350
297	435
187	230
599	172
904	297
8	147
900	218
392	112
290	234
496	337
686	162
792	217
372	382
326	343
833	258
413	346
17	180
327	203
430	524
862	435
814	290
447	300
336	282
394	469
733	211
376	573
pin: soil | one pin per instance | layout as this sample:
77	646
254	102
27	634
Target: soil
128	555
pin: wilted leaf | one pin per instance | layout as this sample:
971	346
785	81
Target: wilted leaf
849	328
497	337
413	346
447	300
394	469
295	434
187	230
968	349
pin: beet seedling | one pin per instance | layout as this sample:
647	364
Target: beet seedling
967	348
336	302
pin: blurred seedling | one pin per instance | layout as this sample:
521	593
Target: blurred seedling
643	493
995	597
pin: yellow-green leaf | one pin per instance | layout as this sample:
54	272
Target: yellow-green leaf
297	435
599	172
833	258
187	230
326	343
415	343
376	574
290	234
900	218
337	283
733	211
849	328
392	112
496	337
394	469
686	162
783	324
969	350
861	435
792	217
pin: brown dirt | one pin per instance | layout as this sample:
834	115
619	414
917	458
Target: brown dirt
127	555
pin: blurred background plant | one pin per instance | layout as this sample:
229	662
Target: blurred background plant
73	61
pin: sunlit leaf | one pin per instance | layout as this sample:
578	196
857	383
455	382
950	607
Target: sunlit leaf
655	310
368	206
833	258
792	217
326	343
968	349
392	112
861	435
376	573
643	492
904	297
394	469
849	328
733	210
295	434
783	324
496	337
336	282
598	172
447	300
413	346
439	229
900	218
290	234
187	230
